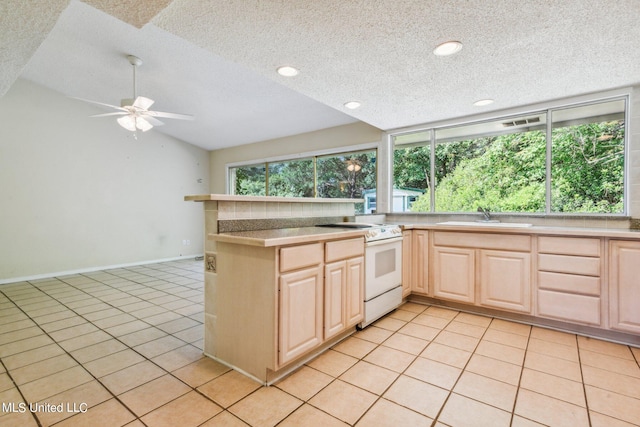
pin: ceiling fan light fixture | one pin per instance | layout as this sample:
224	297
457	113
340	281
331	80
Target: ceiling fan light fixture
142	124
127	122
133	123
287	71
448	48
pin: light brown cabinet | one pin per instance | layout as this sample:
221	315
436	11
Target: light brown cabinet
321	302
487	269
354	305
420	261
624	285
343	298
406	262
301	313
454	273
270	307
569	279
505	280
585	280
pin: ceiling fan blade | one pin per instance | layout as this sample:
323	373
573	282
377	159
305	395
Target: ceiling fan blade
143	103
152	120
99	103
170	115
119	113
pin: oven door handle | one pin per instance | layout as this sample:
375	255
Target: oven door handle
384	241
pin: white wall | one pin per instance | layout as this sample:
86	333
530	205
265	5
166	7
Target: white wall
336	137
79	193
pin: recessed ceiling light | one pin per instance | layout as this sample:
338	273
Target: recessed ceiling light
448	48
483	102
287	71
352	105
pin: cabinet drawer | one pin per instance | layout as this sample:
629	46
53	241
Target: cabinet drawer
587	285
571	307
294	257
569	246
343	249
483	240
569	264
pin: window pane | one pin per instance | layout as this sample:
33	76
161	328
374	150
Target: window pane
291	178
411	172
347	175
249	180
587	172
498	165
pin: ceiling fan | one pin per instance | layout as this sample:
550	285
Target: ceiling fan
135	111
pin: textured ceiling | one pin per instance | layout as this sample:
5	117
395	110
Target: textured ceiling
216	59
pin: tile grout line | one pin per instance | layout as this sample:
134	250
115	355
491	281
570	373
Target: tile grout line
518	387
101	329
435	420
33	415
584	386
75	360
361	359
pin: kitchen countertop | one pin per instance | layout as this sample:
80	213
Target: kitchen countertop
286	236
290	236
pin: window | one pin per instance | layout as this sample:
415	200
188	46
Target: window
497	165
346	175
587	159
339	175
291	179
520	164
249	180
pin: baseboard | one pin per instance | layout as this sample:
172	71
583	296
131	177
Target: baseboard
92	269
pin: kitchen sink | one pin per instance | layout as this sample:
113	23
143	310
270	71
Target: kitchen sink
487	224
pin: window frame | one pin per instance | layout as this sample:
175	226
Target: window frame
547	111
230	167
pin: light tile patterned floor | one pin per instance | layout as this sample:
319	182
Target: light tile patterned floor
128	342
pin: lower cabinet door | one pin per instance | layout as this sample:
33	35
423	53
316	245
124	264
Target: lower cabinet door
355	291
300	313
420	261
505	280
406	262
335	280
624	285
454	273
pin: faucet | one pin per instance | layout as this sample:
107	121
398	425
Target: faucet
485	212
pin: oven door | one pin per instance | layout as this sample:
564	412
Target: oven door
383	266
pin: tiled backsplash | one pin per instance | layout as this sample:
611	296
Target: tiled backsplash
262	210
229	225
